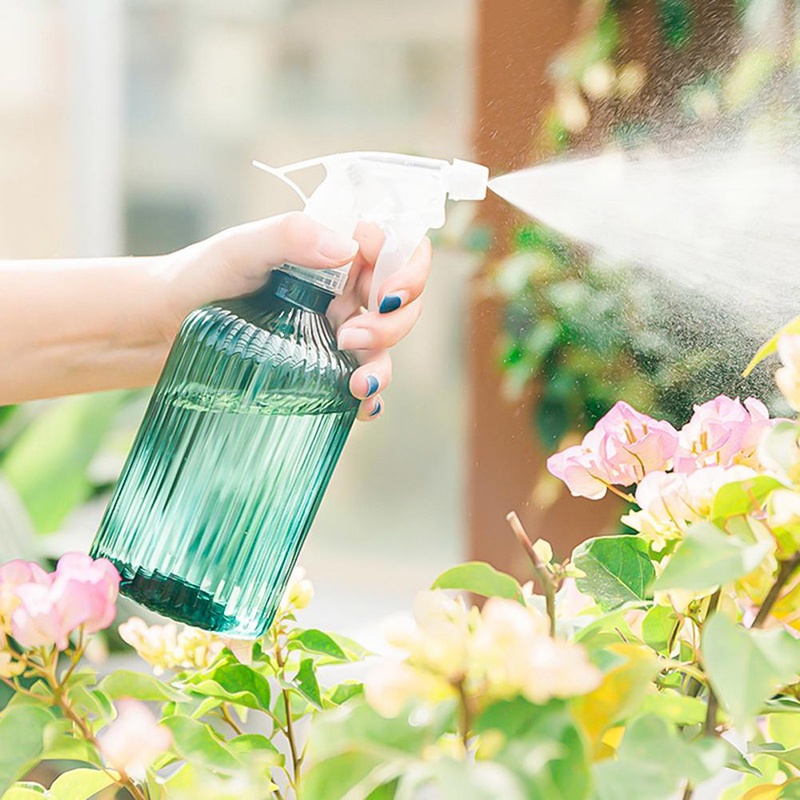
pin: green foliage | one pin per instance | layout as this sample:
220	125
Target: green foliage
746	667
480	578
22	729
79	784
616	570
48	463
708	557
653	762
542	747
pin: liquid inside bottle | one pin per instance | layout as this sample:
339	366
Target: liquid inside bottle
232	459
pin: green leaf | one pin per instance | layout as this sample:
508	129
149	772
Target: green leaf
350	776
679	709
343	692
22	730
251	742
771	346
353	748
236	683
47	465
653	761
448	779
482	579
315	641
306	682
139	686
61	745
658	628
195	742
743	497
26	791
92	703
616	570
781	445
79	784
746	667
357	726
708	557
542	747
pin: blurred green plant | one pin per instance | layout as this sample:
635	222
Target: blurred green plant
48	453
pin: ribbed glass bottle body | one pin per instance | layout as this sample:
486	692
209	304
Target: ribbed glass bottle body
228	469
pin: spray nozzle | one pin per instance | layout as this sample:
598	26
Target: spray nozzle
403	195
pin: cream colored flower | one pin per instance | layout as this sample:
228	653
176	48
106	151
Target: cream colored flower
390	686
165	647
441	641
298	595
514	654
558	669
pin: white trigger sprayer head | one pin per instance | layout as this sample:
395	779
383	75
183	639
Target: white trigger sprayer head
402	195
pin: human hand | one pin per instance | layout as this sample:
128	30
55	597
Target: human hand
238	261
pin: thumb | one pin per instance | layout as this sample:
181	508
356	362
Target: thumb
254	248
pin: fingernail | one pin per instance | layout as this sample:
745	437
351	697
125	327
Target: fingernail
372	385
354	339
336	246
391	303
377	410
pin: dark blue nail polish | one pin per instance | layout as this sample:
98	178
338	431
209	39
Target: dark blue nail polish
372	385
390	303
377	410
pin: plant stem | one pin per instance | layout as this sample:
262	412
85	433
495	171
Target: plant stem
465	722
710	724
785	572
688	792
289	731
626	497
539	570
123	781
226	715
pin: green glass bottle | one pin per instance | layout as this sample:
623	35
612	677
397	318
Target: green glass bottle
231	462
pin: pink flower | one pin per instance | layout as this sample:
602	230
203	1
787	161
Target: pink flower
134	740
634	444
623	447
579	467
81	592
722	432
95	583
14	574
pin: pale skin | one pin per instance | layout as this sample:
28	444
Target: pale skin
88	325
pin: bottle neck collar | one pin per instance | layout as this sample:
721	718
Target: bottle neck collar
292	289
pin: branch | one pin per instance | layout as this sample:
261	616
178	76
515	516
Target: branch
289	732
785	572
539	570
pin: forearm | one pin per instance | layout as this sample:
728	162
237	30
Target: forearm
81	325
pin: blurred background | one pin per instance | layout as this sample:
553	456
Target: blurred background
128	127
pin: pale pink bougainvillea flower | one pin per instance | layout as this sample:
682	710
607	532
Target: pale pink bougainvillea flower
722	432
670	502
622	448
134	740
14	574
788	376
81	592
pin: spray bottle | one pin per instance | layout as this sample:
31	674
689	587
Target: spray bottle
253	408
